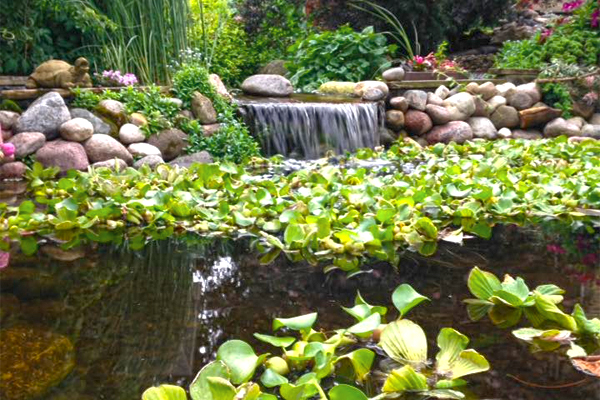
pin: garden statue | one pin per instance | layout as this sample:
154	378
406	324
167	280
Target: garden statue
61	74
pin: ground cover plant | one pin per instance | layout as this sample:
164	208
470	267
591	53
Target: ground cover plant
339	364
332	215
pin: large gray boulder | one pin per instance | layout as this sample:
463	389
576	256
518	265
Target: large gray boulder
64	155
170	142
590	130
27	143
559	127
267	85
461	106
100	126
417	99
439	115
483	128
203	109
44	115
505	117
104	147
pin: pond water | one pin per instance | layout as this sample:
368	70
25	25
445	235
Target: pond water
157	315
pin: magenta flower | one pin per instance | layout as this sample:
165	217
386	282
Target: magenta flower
556	249
596	18
572	5
8	149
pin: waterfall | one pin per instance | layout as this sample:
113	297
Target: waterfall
308	129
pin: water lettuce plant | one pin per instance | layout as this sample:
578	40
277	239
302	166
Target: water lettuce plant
334	214
341	364
507	301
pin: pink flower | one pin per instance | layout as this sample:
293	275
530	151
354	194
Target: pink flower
573	5
8	149
555	248
596	18
4	259
546	33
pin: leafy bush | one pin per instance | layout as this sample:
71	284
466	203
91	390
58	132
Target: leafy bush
557	95
521	54
342	55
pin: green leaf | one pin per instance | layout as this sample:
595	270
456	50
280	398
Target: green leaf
404	379
366	326
443	394
27	207
385	214
199	388
362	361
516	287
549	290
304	388
221	389
346	392
276	341
483	284
426	227
469	362
239	358
293	233
241	220
406	298
405	342
29	245
451	344
477	309
505	316
585	326
271	379
164	392
550	311
300	323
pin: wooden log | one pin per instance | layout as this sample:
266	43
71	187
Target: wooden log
7	80
434	84
28	94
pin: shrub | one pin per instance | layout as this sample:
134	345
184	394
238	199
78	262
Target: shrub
342	55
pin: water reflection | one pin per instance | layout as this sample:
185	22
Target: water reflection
158	315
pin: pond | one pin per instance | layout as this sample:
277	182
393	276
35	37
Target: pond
157	315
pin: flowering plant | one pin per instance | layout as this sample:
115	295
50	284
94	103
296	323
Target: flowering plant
7	150
587	11
115	78
431	63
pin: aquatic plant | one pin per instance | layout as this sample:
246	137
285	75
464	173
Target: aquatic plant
335	215
312	359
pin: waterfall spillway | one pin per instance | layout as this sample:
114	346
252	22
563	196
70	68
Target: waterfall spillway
308	129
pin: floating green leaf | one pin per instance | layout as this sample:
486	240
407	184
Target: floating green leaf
300	323
240	358
405	379
405	342
346	392
164	392
199	389
483	284
405	298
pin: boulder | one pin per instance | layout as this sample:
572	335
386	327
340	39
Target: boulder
267	85
373	94
151	161
439	115
104	147
496	102
62	154
482	108
472	88
416	99
338	88
578	121
115	164
538	116
417	122
527	135
362	87
44	115
8	119
77	130
595	120
442	92
394	74
394	119
583	109
504	133
487	90
27	143
13	170
130	133
138	119
590	130
399	103
434	99
202	157
113	110
143	150
455	131
100	126
387	137
483	128
203	109
217	84
521	100
559	127
170	142
505	117
461	106
505	89
210	130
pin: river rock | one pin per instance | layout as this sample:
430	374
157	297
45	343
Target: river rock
455	131
5	135
461	106
373	95
482	108
504	133
362	87
267	85
100	126
577	121
505	89
590	130
399	103
151	161
583	109
77	130
394	119
487	90
35	359
8	119
44	115
496	102
27	143
209	130
130	133
442	92
138	119
595	120
202	157
483	128
143	150
203	109
387	137
472	88
416	99
439	115
434	99
505	117
417	122
521	100
104	147
114	164
394	74
538	116
113	110
529	134
62	154
170	142
559	127
12	170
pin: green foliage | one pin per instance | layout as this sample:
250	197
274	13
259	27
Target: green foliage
193	77
342	55
557	95
522	54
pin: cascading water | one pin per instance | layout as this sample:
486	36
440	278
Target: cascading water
307	129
